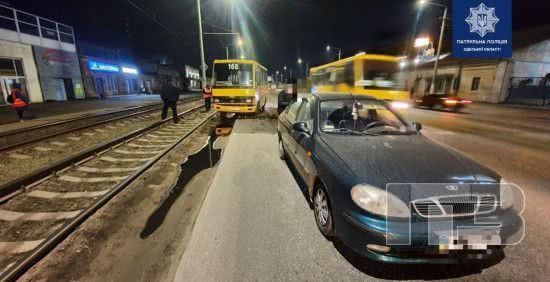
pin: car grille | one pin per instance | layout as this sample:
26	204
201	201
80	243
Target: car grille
233	100
456	205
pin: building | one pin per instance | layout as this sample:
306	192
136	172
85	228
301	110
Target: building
192	79
524	78
155	71
107	72
40	54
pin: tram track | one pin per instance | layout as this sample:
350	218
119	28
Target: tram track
19	137
41	151
35	220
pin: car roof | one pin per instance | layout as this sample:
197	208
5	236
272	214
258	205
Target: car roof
341	96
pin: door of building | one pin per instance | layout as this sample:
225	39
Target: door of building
99	87
60	93
128	87
69	90
6	85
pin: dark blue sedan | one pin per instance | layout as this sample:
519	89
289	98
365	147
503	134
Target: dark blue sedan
389	192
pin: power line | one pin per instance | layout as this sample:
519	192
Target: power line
153	18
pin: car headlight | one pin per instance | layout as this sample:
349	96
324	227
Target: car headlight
506	195
400	105
216	100
248	101
378	201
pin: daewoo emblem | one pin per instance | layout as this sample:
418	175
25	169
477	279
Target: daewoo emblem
451	187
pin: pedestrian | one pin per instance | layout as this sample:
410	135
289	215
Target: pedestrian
19	101
170	96
207	94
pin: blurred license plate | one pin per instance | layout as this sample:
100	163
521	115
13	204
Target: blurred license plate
468	239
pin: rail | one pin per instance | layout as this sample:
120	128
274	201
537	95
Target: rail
21	266
64	122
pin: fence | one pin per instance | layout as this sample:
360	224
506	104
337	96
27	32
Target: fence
22	22
529	90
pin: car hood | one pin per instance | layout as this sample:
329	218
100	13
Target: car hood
379	160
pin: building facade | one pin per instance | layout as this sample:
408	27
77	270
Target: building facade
524	78
155	71
39	54
106	72
192	79
59	73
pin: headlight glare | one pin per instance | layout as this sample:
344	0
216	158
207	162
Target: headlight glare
400	105
378	201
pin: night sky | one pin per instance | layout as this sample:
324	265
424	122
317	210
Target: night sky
281	30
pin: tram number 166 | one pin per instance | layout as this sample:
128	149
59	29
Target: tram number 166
234	66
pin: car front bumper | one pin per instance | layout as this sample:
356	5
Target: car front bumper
358	231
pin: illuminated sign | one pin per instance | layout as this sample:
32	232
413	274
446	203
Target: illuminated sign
97	66
129	70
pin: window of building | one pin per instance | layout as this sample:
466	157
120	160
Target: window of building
456	83
11	67
475	83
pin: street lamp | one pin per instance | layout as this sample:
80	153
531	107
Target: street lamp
339	51
239	42
300	61
423	3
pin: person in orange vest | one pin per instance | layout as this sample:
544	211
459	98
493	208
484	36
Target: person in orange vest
18	100
207	94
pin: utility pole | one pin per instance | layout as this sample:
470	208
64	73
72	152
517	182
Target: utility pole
441	32
232	11
203	63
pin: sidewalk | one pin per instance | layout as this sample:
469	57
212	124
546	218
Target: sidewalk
42	113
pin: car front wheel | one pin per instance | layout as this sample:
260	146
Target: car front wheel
323	213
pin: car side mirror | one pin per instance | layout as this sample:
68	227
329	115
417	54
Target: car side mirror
417	125
300	127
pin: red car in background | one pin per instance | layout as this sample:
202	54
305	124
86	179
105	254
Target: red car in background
442	102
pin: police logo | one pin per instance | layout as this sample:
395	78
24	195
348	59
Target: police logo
482	20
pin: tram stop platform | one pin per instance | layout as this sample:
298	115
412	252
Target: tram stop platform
48	112
255	223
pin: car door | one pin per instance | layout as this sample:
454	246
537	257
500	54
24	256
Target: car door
288	120
303	140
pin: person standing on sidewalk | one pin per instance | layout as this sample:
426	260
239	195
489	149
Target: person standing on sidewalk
18	100
170	96
207	94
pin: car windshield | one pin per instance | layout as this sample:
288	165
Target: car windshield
362	117
233	75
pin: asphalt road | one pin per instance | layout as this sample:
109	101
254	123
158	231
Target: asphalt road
255	223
